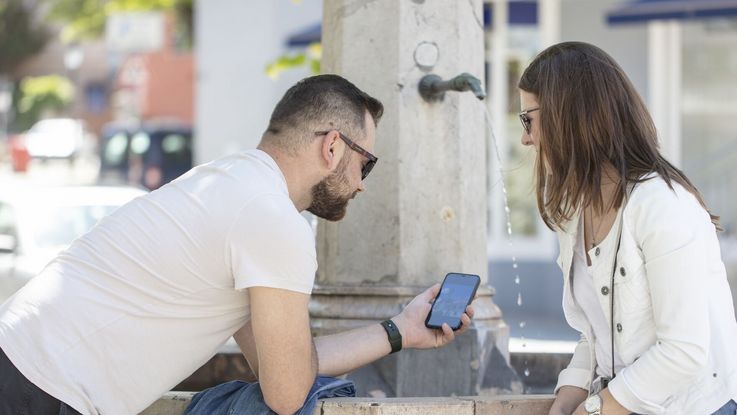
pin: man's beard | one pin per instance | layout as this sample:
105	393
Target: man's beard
330	197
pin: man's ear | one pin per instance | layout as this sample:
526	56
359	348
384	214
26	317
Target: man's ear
331	151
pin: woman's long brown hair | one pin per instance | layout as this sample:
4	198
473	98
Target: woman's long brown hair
590	115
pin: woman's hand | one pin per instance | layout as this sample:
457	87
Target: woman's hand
609	406
568	400
411	323
580	410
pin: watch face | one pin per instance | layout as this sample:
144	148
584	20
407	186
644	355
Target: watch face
592	403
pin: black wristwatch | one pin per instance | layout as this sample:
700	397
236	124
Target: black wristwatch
395	337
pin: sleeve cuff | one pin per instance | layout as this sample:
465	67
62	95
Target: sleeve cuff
290	285
580	378
623	393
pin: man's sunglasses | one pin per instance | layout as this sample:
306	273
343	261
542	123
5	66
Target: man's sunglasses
366	169
526	121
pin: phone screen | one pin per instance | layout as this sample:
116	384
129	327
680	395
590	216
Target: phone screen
455	294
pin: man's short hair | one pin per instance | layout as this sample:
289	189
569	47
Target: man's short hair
320	103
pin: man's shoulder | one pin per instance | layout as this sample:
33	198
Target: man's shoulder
275	212
235	181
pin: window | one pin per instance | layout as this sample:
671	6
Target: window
530	238
116	150
709	144
140	143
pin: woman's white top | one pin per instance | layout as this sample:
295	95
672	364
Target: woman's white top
586	296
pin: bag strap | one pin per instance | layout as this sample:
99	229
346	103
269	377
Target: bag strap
614	272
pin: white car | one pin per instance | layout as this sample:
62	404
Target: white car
57	138
36	223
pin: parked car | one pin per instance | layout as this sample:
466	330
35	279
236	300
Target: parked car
149	154
58	138
38	223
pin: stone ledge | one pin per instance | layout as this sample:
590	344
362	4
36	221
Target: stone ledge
230	364
173	403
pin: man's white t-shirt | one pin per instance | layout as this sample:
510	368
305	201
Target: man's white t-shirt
150	294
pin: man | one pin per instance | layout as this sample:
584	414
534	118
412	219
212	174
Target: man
151	293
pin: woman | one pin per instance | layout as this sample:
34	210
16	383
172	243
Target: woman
644	282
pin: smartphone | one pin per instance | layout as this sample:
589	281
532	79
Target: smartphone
456	293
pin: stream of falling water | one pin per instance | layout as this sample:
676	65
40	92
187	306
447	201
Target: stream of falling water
515	266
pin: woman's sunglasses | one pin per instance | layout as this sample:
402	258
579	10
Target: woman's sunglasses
527	121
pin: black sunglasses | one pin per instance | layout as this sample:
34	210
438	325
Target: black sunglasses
526	121
366	169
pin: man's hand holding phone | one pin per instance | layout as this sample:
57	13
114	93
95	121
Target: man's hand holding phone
412	323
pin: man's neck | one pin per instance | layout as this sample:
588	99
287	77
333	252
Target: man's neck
296	176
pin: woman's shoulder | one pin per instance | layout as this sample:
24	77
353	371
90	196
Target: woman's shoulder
652	187
657	200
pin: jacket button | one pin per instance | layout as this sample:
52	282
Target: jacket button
619	327
597	251
622	271
605	290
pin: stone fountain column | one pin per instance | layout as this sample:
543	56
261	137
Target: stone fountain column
424	212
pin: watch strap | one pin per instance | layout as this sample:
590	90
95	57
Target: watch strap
392	332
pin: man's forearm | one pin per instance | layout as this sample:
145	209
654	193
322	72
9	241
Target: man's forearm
315	359
344	352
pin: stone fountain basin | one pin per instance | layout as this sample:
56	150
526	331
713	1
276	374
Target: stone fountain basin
173	403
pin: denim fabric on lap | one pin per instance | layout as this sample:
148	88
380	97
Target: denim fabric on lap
729	409
241	398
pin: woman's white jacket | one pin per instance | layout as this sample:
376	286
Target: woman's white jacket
674	320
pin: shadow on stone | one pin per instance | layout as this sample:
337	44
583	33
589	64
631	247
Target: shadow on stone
499	377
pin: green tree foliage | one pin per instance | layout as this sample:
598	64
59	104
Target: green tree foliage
41	95
20	36
85	19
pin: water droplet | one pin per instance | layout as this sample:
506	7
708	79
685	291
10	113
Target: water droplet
519	299
522	324
516	279
514	265
524	345
506	209
514	259
527	372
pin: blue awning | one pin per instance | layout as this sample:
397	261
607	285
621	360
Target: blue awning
641	11
521	12
309	35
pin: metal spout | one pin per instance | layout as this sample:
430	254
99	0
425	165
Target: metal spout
432	87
